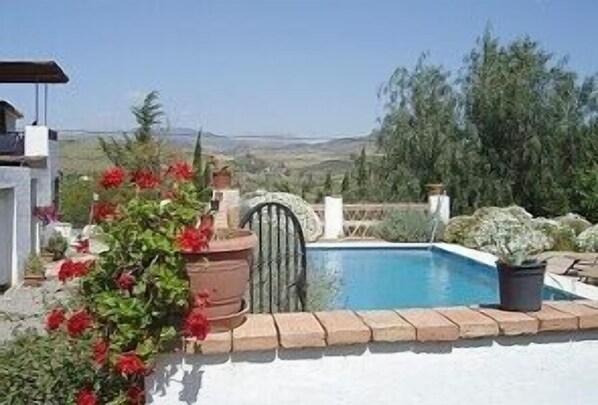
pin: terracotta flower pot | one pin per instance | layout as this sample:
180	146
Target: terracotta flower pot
223	272
435	189
222	179
34	280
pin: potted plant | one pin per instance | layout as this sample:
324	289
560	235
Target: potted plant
57	245
35	271
520	277
218	266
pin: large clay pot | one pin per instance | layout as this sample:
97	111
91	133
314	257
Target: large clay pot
223	272
435	188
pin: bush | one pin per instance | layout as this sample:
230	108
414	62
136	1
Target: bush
458	229
42	369
407	226
34	265
57	245
587	241
76	197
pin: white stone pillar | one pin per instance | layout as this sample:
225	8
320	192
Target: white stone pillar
442	204
228	209
333	218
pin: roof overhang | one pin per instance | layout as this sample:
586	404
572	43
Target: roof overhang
31	72
5	105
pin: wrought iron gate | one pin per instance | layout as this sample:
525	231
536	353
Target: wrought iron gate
277	281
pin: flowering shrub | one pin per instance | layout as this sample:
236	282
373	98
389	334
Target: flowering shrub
46	214
135	297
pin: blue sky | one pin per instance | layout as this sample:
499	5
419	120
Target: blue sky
304	68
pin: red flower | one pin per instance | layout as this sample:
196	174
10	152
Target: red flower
206	225
146	179
70	269
103	211
135	395
113	177
125	281
78	323
55	319
86	396
181	171
66	271
196	325
100	352
130	364
192	240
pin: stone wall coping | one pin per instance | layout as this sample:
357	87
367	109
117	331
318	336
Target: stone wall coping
300	330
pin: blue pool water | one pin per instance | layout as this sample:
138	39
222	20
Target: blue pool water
404	278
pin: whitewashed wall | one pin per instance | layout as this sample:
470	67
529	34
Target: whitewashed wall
547	369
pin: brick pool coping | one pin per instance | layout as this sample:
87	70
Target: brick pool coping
300	330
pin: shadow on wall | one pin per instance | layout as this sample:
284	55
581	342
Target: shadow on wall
185	372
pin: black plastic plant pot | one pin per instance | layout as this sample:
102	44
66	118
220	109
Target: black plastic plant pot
521	286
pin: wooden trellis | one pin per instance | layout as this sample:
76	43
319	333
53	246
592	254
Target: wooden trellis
360	220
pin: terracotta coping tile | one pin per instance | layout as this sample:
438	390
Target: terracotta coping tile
299	329
387	326
430	326
343	327
553	320
512	323
256	333
588	316
216	343
471	324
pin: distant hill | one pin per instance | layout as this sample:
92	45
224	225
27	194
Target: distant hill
185	138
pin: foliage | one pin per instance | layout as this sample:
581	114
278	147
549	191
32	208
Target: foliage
345	185
131	303
574	221
586	191
34	265
57	245
514	126
406	226
587	241
198	167
46	214
147	115
458	228
327	188
41	368
560	235
143	150
76	197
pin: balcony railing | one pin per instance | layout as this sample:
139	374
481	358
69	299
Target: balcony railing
12	143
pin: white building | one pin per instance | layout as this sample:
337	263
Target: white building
29	169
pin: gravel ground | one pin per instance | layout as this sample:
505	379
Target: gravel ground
24	307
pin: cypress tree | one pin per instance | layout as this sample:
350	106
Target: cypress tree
198	168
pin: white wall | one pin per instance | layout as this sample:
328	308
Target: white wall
546	370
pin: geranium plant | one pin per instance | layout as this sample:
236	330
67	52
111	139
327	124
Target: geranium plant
134	300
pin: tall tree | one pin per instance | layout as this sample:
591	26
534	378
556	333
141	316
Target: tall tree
143	150
345	185
327	188
361	175
198	168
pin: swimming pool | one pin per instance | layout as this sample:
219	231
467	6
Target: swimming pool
383	278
